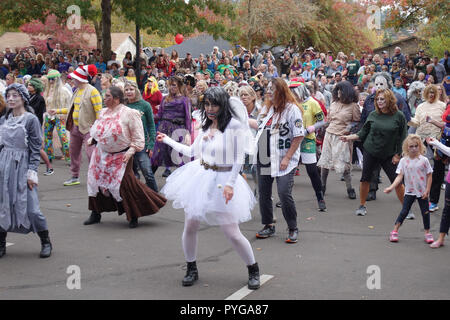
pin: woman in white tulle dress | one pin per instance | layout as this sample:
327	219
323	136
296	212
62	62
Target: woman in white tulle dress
210	188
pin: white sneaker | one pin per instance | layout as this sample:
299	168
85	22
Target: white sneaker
410	216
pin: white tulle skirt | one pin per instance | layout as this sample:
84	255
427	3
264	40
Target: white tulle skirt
200	193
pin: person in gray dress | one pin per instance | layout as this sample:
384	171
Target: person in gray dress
20	143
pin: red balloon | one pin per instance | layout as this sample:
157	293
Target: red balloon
179	38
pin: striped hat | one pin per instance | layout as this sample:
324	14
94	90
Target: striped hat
81	73
295	82
52	74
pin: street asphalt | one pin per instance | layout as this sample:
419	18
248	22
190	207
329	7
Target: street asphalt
338	256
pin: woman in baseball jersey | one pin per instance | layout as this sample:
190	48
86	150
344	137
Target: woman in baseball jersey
280	133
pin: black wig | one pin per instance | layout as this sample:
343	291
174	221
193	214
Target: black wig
217	96
348	92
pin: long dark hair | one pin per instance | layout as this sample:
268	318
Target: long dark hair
348	92
217	96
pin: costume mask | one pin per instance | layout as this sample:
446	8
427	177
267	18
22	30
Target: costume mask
381	83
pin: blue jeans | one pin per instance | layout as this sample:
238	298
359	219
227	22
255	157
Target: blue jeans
142	161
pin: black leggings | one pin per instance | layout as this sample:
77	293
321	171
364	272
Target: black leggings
314	176
445	219
407	204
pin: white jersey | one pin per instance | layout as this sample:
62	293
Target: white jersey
282	129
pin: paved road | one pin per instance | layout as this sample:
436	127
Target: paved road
330	261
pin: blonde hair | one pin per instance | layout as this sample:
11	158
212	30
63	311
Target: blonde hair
407	142
137	93
428	89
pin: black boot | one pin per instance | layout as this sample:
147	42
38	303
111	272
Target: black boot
191	274
93	218
133	223
2	244
253	276
46	245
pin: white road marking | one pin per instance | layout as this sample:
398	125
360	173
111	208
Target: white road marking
9	244
245	291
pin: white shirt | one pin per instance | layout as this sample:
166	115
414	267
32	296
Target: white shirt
415	174
290	125
216	148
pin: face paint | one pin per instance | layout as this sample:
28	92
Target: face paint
211	110
14	99
381	83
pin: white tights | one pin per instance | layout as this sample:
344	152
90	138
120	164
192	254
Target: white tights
231	231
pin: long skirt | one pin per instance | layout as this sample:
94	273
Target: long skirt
138	200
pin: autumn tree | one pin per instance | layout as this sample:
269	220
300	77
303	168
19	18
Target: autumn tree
69	39
275	22
172	17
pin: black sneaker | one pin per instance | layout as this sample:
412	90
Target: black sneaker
266	232
293	236
322	206
372	195
278	204
166	173
351	193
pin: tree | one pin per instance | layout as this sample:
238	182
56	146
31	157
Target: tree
339	26
270	21
69	39
172	17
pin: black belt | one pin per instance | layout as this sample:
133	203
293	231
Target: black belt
124	150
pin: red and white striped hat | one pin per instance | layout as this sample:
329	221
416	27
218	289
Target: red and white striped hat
81	73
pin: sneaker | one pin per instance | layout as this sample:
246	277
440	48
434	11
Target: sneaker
297	172
72	181
293	236
361	211
372	195
342	178
410	216
433	207
166	173
49	172
351	193
278	204
394	236
443	186
322	206
436	244
429	238
266	232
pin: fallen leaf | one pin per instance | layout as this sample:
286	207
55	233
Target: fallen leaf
371	227
68	205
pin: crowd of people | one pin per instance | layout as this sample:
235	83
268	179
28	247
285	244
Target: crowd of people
195	114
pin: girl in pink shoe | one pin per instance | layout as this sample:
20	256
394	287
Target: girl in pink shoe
445	219
416	171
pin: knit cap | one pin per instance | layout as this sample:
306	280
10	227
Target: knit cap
37	85
52	74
